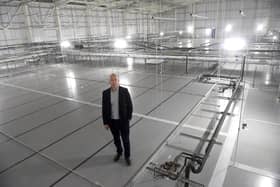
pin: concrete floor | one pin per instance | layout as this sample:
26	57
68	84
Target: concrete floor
52	133
255	161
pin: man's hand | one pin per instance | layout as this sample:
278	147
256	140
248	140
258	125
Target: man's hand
107	126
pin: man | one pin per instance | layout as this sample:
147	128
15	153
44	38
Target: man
117	112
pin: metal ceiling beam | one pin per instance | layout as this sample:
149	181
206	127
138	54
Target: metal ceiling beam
28	23
59	3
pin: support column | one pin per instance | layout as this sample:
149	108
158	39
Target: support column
88	21
147	29
187	63
137	23
109	23
28	25
58	24
124	25
74	23
5	38
175	22
278	93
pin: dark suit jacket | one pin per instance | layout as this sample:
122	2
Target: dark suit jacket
125	105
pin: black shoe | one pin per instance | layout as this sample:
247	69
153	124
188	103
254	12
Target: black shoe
128	161
117	157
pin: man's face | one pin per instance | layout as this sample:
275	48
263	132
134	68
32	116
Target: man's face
114	82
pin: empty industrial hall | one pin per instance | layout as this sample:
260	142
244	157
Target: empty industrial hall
139	93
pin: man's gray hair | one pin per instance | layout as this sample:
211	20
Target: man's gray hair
114	75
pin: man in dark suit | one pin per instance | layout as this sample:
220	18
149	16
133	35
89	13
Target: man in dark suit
117	112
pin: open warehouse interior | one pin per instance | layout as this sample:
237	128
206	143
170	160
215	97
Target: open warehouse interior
203	77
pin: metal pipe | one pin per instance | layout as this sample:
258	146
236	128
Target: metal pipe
22	57
187	171
187	62
219	76
242	68
197	167
174	57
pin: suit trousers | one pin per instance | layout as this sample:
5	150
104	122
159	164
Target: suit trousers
120	130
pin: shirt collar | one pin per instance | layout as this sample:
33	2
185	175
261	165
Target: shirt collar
116	90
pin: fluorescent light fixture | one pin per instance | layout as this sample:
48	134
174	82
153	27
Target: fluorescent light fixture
120	44
274	37
190	29
180	32
161	33
128	37
228	28
208	31
234	44
260	27
65	44
198	16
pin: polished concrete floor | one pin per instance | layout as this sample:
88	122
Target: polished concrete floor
256	158
255	161
52	133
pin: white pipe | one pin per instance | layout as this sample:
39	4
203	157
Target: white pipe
22	57
125	55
